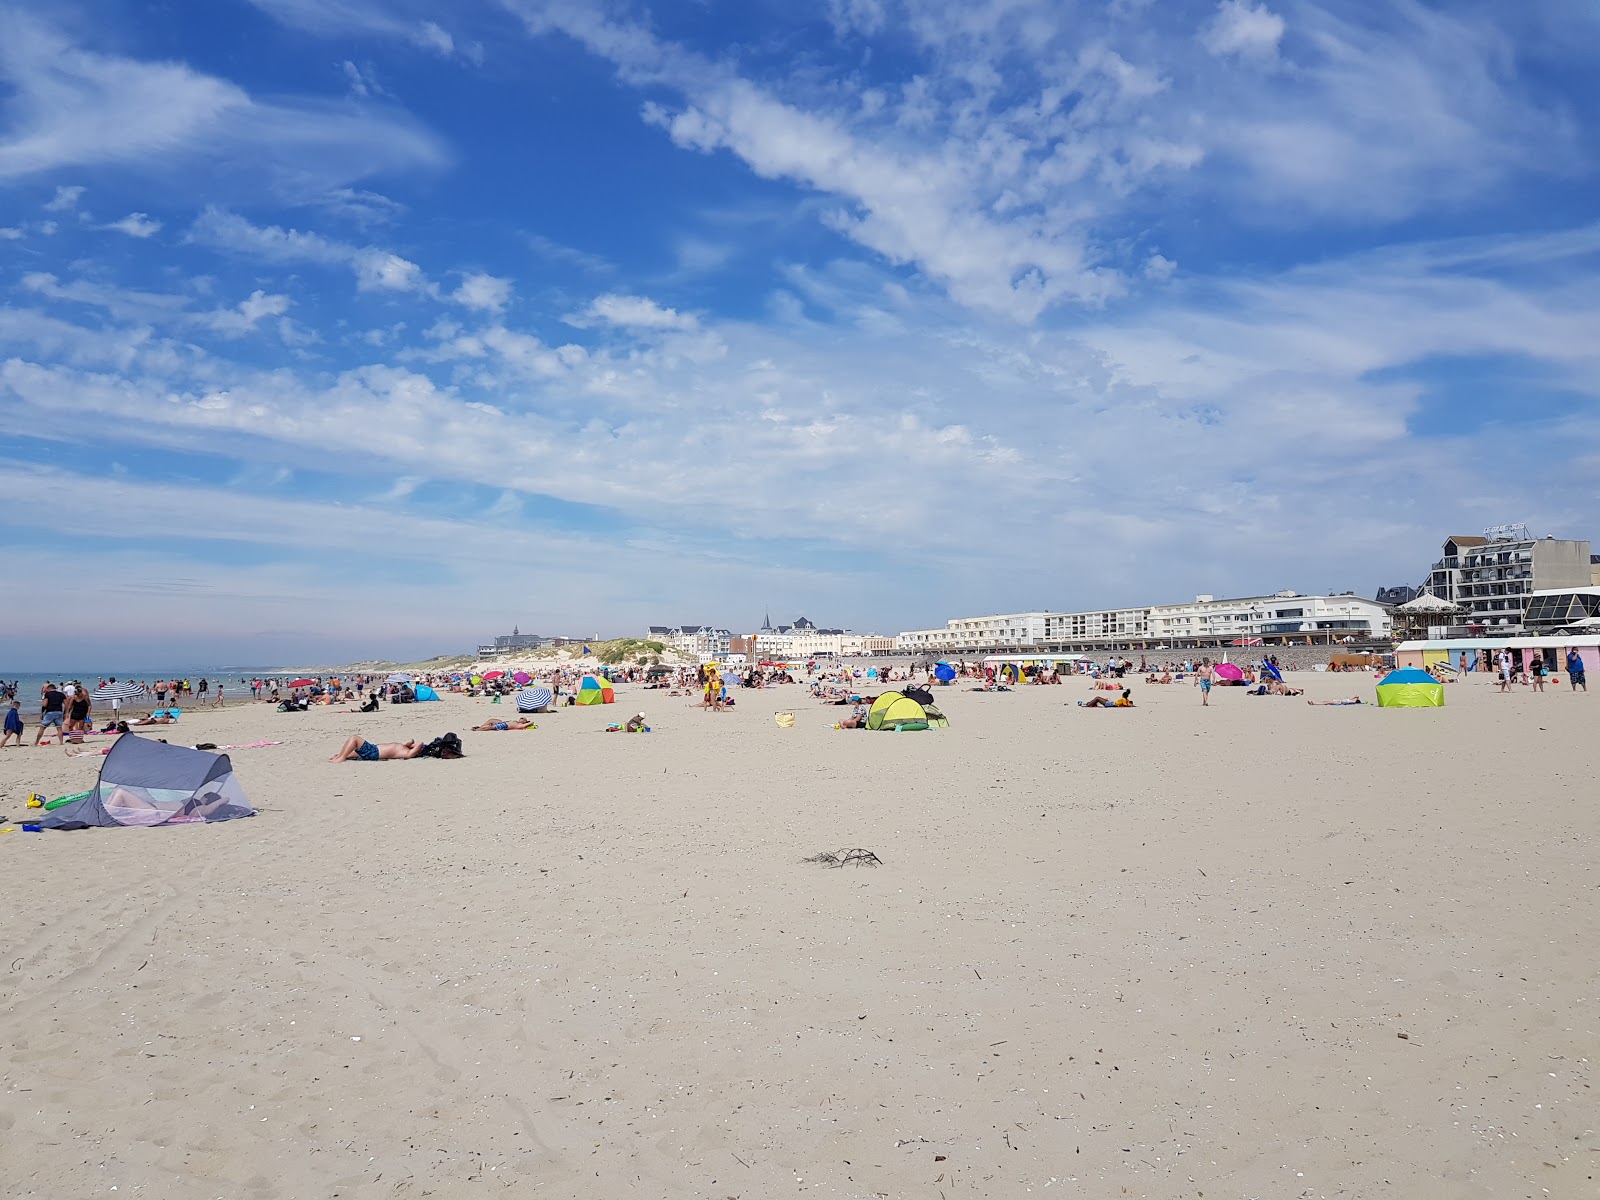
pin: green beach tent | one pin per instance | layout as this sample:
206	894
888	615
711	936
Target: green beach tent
896	711
1410	687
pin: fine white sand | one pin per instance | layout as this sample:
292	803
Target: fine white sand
1257	950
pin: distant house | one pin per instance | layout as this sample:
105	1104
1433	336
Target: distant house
516	640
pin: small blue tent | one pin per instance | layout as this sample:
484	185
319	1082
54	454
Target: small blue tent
424	692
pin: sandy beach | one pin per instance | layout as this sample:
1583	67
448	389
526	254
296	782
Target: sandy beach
1260	949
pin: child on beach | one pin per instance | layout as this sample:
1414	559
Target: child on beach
13	723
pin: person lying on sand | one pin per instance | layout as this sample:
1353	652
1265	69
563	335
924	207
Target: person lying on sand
357	747
1336	703
503	726
1123	701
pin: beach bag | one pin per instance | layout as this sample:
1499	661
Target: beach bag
784	720
447	746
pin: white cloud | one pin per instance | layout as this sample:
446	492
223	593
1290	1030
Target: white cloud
375	269
484	292
243	318
65	200
331	17
71	106
631	312
1012	190
137	225
10	233
1159	267
1244	29
363	80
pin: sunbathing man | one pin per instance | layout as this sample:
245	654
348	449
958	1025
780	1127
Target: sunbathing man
357	747
1336	703
502	726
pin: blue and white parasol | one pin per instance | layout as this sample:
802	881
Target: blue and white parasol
534	699
118	691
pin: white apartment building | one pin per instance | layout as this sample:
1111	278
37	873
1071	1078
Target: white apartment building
1019	631
804	639
1206	621
1278	618
703	640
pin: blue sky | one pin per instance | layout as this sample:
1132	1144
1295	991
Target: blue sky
375	326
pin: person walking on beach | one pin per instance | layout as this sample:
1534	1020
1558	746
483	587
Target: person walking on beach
52	706
1575	675
1207	674
1505	670
1536	670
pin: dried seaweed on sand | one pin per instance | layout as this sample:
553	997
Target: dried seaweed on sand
844	858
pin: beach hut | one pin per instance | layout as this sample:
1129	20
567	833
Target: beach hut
146	782
1410	687
594	690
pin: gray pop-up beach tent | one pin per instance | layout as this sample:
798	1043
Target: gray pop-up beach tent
146	782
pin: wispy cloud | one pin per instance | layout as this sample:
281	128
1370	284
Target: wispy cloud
375	269
402	21
76	107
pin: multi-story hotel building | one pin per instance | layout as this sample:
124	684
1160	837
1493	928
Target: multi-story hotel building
1493	576
1283	618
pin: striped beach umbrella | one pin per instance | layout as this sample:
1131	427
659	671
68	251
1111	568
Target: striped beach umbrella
125	690
534	699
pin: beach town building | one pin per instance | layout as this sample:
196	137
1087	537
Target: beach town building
706	641
516	640
1493	576
1563	610
805	639
1283	618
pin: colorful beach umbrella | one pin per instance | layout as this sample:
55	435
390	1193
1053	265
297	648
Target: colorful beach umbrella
944	671
1227	671
522	677
534	699
124	690
493	674
596	691
294	683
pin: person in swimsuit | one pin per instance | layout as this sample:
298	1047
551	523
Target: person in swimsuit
503	726
78	711
358	748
